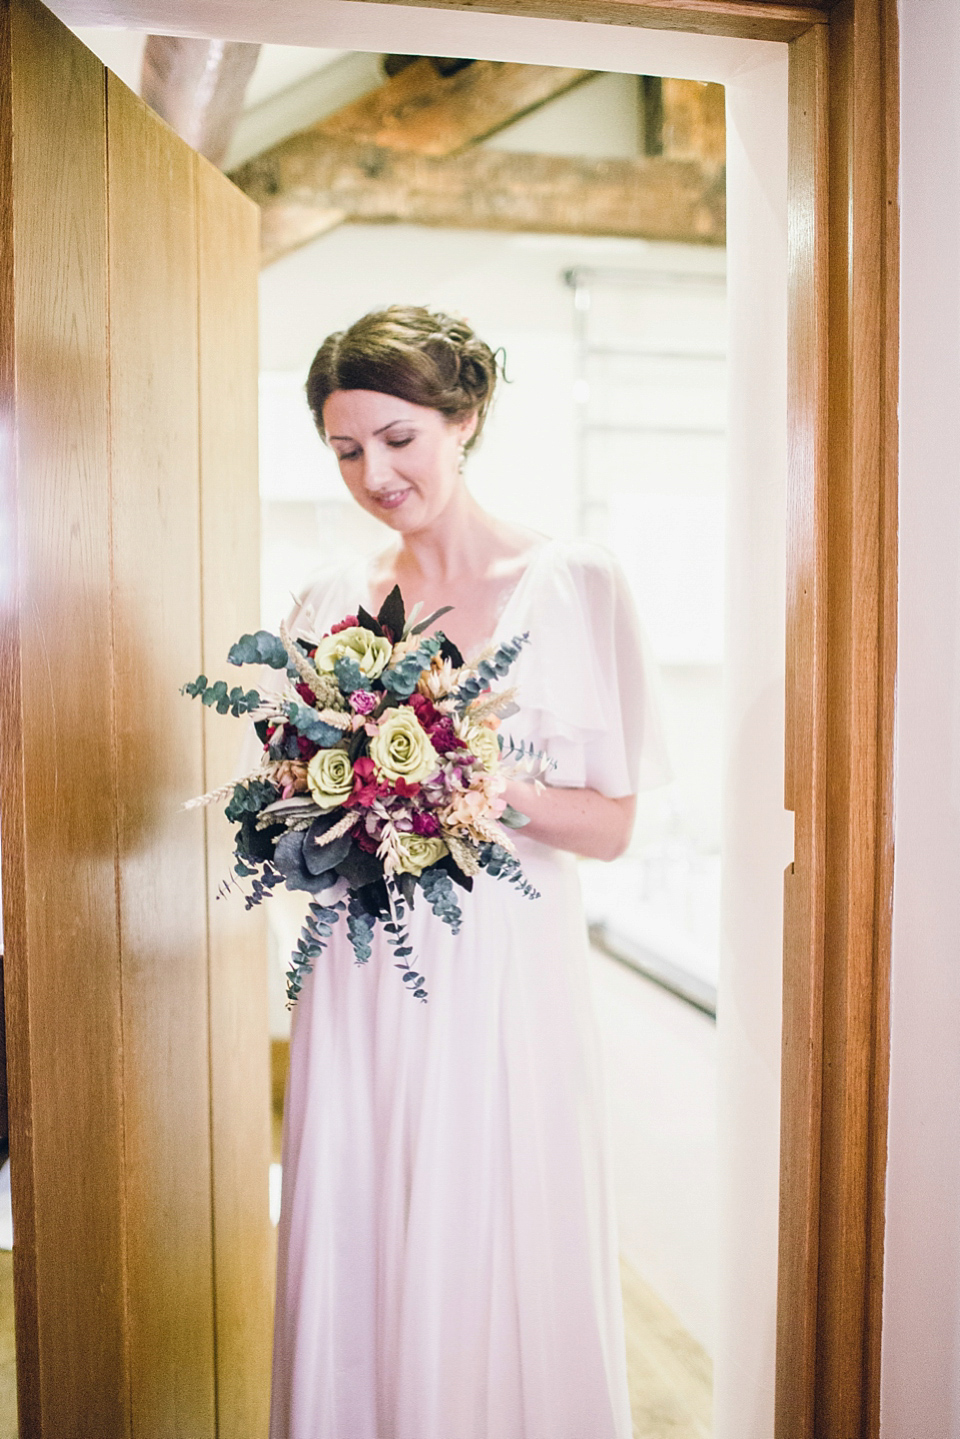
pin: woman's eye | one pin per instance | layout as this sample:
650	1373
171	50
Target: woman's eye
399	444
349	455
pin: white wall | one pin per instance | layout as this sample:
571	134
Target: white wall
921	1344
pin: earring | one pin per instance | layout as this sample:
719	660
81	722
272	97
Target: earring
461	456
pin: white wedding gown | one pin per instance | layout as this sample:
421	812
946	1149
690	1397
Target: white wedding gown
447	1252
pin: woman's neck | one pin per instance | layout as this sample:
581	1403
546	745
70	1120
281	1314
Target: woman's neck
461	543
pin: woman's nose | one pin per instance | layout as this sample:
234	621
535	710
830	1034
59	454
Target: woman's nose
376	467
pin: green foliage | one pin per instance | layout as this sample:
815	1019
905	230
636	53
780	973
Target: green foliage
235	701
424	625
348	675
307	721
401	679
490	670
501	864
317	929
398	938
250	797
438	889
263	648
513	819
360	928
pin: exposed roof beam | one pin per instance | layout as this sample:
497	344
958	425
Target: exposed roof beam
197	86
311	183
432	111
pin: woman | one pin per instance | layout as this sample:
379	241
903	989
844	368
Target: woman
448	1260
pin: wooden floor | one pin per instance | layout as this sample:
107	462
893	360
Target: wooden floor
670	1376
8	1369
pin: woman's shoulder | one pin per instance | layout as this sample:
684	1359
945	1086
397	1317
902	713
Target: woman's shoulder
588	567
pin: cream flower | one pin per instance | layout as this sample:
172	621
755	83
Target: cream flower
437	681
330	777
481	742
371	652
416	852
401	748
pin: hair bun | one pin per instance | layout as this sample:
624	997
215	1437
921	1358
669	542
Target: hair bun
424	356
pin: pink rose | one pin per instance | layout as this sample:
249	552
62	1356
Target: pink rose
362	702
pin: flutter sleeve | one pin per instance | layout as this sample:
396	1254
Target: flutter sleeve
587	683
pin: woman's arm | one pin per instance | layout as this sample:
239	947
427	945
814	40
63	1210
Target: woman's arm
580	820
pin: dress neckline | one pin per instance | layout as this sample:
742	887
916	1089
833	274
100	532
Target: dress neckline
533	563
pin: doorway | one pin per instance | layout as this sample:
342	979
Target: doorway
855	374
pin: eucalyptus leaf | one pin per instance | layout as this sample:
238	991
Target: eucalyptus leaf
348	675
262	648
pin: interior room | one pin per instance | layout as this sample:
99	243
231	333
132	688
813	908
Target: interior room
706	241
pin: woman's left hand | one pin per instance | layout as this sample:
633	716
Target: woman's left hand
582	821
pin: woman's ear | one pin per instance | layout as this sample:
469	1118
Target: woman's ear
467	428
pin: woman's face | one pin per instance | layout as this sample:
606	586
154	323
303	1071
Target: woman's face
399	461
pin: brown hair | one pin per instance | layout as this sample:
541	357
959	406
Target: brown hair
420	355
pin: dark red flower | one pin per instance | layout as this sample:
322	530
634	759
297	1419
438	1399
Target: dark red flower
404	790
425	824
365	841
424	710
305	693
443	738
306	747
349	623
365	786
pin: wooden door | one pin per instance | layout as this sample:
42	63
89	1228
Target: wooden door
136	1005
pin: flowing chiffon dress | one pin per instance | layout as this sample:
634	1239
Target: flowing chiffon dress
448	1261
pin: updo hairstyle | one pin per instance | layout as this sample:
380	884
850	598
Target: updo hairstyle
419	355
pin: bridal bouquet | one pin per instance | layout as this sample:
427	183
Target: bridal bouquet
382	774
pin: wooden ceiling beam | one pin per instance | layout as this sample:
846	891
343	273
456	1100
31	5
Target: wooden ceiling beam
198	86
311	183
423	110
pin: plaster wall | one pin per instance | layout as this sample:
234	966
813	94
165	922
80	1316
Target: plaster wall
921	1343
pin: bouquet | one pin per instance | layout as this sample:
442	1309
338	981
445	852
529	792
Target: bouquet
382	775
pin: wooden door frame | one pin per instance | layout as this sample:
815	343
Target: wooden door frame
841	662
843	334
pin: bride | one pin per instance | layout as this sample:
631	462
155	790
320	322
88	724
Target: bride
447	1253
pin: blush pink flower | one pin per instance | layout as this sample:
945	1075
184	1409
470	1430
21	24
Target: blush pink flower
363	701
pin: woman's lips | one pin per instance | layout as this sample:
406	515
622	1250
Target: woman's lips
390	499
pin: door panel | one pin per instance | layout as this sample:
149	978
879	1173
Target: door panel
138	1078
57	801
154	431
228	230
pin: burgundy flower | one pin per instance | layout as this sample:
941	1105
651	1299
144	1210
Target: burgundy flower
306	747
424	710
365	841
443	738
346	624
363	701
425	824
305	693
365	786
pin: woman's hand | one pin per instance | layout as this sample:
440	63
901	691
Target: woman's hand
580	820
